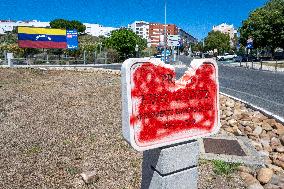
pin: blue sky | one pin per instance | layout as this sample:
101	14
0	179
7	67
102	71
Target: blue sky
195	16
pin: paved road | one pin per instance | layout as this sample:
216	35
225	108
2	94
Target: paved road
261	88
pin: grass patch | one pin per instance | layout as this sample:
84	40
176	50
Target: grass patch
67	142
72	170
93	137
224	168
33	150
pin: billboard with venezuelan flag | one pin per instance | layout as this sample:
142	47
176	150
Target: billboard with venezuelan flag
32	37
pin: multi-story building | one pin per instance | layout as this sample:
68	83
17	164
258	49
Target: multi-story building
10	25
157	30
141	28
187	39
98	30
227	29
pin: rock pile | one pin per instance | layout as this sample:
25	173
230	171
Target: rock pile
267	136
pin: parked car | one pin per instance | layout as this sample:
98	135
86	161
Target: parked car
226	56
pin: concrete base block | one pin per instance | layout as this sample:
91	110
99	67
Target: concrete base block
172	158
186	179
171	167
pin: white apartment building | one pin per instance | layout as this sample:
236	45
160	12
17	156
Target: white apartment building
141	28
9	25
226	29
98	30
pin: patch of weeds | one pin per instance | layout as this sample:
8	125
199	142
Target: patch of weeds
33	150
72	170
203	161
224	168
93	137
66	142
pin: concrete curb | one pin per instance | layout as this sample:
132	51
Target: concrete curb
71	68
254	107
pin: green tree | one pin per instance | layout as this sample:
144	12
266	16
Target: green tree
197	47
124	42
217	40
265	26
66	24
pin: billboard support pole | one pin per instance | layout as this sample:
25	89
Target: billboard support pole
46	56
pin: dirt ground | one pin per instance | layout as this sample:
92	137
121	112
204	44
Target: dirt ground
55	125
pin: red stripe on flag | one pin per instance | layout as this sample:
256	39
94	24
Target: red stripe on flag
42	44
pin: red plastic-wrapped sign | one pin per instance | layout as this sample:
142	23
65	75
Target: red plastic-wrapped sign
159	110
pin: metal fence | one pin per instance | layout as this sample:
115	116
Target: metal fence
60	59
267	65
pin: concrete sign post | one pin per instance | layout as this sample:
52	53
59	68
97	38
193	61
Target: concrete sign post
164	116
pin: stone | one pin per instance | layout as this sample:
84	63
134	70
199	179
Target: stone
248	129
230	103
266	144
257	145
248	178
275	141
267	161
255	186
277	180
279	128
232	122
271	186
237	131
237	112
272	133
228	113
271	122
275	168
264	175
255	120
280	149
280	131
244	169
89	177
279	163
266	127
229	129
257	130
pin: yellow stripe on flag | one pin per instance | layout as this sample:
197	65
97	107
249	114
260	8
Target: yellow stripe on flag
48	31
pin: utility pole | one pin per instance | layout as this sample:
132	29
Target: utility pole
165	33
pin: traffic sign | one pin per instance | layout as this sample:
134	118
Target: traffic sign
159	110
250	43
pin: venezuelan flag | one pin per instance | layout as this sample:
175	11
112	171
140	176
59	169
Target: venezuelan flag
31	37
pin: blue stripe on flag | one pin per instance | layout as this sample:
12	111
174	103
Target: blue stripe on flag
42	37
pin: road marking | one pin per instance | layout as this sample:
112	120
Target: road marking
253	96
